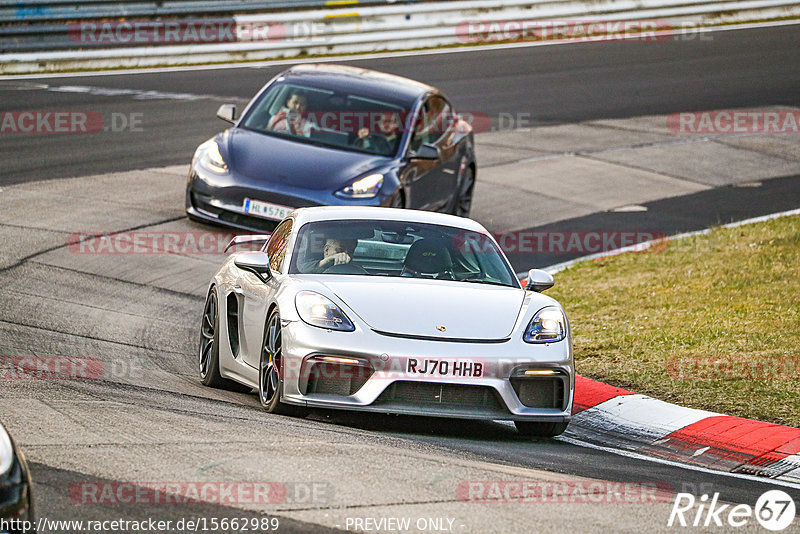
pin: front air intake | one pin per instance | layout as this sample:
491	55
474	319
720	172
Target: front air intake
541	392
335	378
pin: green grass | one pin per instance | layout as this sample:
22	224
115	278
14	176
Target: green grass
700	323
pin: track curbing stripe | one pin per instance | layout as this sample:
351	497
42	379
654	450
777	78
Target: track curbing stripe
612	416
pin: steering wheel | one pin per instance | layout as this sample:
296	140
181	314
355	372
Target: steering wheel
345	268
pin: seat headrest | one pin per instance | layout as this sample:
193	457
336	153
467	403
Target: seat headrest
428	256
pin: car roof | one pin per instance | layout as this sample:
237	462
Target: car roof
335	213
365	81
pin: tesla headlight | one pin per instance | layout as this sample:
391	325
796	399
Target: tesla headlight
318	310
211	158
6	452
366	187
547	326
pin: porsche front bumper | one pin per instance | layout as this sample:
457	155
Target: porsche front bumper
369	371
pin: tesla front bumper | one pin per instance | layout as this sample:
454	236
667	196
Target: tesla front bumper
220	199
364	370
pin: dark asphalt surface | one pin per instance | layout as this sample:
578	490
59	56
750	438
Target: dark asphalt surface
500	443
560	84
670	216
554	84
51	482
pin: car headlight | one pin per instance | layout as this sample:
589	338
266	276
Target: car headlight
6	452
547	326
366	187
211	158
318	310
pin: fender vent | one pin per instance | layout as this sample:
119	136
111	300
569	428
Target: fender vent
232	309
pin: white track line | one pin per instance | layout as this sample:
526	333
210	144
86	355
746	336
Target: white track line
552	269
363	57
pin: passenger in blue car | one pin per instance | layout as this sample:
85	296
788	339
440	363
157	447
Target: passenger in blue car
290	118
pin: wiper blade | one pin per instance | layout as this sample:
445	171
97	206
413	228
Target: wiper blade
488	282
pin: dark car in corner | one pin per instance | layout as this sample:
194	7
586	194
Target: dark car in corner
327	134
16	503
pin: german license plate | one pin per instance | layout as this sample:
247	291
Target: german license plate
267	210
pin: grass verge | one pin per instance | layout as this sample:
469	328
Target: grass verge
711	321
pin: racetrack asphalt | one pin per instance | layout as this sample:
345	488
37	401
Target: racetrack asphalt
149	419
537	86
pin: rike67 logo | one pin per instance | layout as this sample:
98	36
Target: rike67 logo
774	510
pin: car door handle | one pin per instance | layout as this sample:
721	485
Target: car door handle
449	171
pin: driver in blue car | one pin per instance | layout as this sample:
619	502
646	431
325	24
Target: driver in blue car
385	140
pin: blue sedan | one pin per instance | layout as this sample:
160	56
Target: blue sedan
333	135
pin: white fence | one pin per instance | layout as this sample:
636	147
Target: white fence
395	27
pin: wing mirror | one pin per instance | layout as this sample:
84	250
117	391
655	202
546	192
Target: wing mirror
539	280
256	240
426	151
254	262
227	112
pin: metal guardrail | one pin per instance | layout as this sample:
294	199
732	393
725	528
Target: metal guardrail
36	46
33	25
40	11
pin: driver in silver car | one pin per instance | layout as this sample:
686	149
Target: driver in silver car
335	252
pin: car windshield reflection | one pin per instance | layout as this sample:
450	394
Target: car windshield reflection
400	249
329	118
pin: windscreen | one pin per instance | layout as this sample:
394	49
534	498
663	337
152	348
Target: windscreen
335	119
400	249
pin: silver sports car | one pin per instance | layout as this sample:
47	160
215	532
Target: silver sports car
388	310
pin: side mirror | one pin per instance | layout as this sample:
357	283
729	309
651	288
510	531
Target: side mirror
426	151
227	112
254	262
539	280
256	240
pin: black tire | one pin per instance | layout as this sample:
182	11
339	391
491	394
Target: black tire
540	430
208	355
31	514
270	379
462	203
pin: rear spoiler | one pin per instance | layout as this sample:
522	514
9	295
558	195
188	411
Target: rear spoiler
252	240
